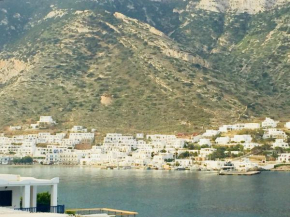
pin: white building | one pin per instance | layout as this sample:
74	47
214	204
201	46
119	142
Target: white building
46	120
280	143
13	187
85	137
240	126
226	128
274	133
252	126
223	140
204	142
204	152
287	125
269	123
15	127
285	157
242	138
211	133
78	129
213	165
250	145
244	165
184	162
140	136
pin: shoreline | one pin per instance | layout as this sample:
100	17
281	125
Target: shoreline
282	169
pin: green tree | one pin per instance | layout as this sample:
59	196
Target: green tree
27	160
184	155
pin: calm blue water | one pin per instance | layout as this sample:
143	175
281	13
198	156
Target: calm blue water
168	193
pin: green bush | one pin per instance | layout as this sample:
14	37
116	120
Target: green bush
43	198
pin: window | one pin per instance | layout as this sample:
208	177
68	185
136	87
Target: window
5	198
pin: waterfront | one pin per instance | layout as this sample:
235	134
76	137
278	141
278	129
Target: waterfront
167	193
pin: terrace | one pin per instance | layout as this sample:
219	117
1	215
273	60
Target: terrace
110	212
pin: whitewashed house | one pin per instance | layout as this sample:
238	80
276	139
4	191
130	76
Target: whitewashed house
204	152
46	120
287	125
211	133
204	142
140	136
70	157
226	128
141	155
213	165
15	127
239	126
196	139
34	126
252	126
242	138
285	157
223	140
184	162
269	123
280	143
78	129
244	165
250	145
82	137
274	133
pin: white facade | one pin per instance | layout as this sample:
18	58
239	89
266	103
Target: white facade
78	129
274	133
240	126
252	126
184	162
223	140
287	125
242	138
280	143
269	123
213	165
15	127
140	136
211	133
285	157
250	145
82	136
226	128
46	119
204	152
204	142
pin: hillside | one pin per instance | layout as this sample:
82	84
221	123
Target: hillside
142	65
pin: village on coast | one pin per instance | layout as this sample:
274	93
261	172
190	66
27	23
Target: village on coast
247	146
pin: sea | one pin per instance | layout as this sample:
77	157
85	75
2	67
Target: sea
157	193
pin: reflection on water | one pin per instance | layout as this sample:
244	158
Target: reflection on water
168	193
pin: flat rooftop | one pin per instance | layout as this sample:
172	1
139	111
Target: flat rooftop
15	180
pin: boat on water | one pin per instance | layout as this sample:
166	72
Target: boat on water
180	168
245	173
229	169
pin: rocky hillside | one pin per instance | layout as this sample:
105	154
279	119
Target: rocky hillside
142	65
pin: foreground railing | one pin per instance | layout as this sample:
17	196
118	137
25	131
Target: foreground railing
44	208
108	211
30	209
57	209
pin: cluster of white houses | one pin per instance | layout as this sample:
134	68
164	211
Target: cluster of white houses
127	150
